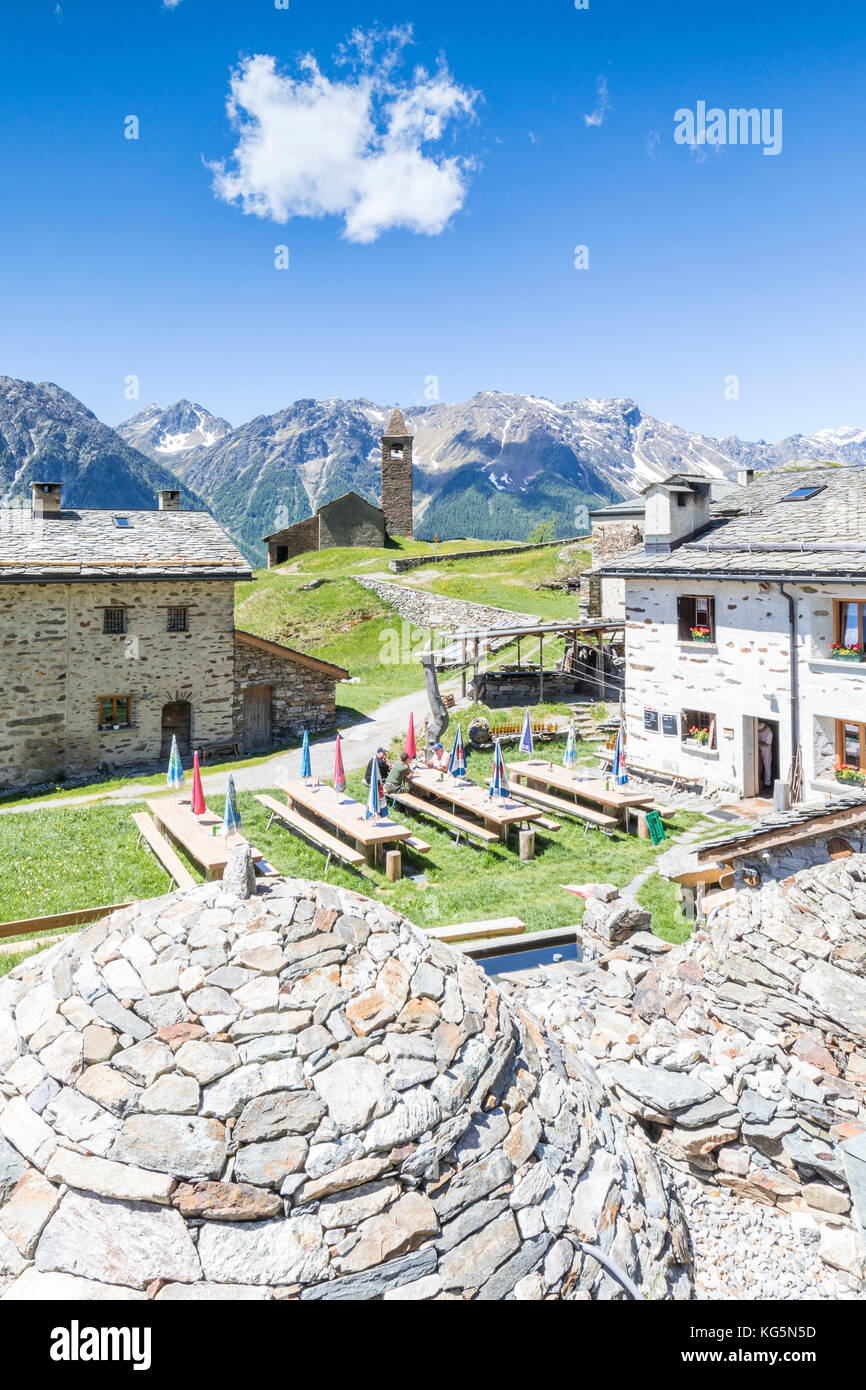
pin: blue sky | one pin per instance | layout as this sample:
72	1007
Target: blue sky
119	259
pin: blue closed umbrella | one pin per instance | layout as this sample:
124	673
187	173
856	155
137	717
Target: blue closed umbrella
457	761
499	782
526	745
174	776
231	813
618	772
306	769
375	796
569	757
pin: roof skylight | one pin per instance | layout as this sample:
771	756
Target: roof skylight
802	494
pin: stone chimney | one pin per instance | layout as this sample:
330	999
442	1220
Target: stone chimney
676	509
45	499
169	499
745	476
397	477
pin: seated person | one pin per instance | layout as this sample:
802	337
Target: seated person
384	766
438	759
398	776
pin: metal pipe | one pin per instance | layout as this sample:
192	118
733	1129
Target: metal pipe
794	670
614	1270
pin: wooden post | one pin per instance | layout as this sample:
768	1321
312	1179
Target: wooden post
475	668
463	675
393	865
527	844
642	827
540	667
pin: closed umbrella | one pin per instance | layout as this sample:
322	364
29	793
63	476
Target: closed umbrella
375	796
569	757
410	746
526	744
457	761
618	772
499	781
198	806
231	811
306	769
339	774
174	775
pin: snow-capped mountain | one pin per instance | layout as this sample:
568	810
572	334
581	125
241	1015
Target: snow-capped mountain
165	434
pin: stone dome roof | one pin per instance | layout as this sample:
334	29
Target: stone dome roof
300	1094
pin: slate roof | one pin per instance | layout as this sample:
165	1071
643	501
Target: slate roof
85	545
754	531
797	818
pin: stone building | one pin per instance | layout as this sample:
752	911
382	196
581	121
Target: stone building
117	631
733	614
351	520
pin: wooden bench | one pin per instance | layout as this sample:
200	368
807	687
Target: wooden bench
469	931
675	779
308	830
447	818
587	814
177	871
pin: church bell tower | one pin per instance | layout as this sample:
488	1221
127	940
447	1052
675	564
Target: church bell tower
397	477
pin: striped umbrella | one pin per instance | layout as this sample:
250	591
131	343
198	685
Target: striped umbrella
231	812
457	761
569	757
198	806
339	774
174	776
375	796
526	745
410	746
499	783
306	769
618	772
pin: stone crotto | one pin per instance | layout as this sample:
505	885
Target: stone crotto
301	1095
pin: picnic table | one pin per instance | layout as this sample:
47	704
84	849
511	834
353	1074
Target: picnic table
195	834
618	801
496	813
346	816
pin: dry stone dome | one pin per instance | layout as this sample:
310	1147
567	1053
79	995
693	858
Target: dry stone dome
300	1094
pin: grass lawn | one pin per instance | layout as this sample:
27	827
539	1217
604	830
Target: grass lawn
75	857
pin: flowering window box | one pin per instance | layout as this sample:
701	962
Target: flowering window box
701	634
841	653
850	776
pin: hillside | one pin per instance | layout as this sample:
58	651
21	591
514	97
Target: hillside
47	435
343	622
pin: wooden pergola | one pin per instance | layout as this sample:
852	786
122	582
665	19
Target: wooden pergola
474	642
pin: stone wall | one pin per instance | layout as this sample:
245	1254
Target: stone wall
58	662
351	521
397	487
434	610
780	862
611	538
411	562
297	539
301	697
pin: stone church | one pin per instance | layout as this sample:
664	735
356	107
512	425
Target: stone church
117	631
351	520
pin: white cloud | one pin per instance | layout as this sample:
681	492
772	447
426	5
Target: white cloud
602	106
355	148
170	4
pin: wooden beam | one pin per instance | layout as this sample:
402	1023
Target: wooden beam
59	919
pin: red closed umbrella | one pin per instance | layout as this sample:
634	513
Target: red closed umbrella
410	746
339	774
198	806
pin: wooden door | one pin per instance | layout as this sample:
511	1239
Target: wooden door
176	720
257	717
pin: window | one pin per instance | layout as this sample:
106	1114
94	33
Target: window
177	620
802	494
699	727
681	499
114	620
396	451
850	744
849	626
115	711
122	521
696	618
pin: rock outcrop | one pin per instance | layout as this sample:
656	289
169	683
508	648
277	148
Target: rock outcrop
300	1095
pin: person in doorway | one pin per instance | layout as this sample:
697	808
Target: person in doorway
384	766
438	759
765	749
398	776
